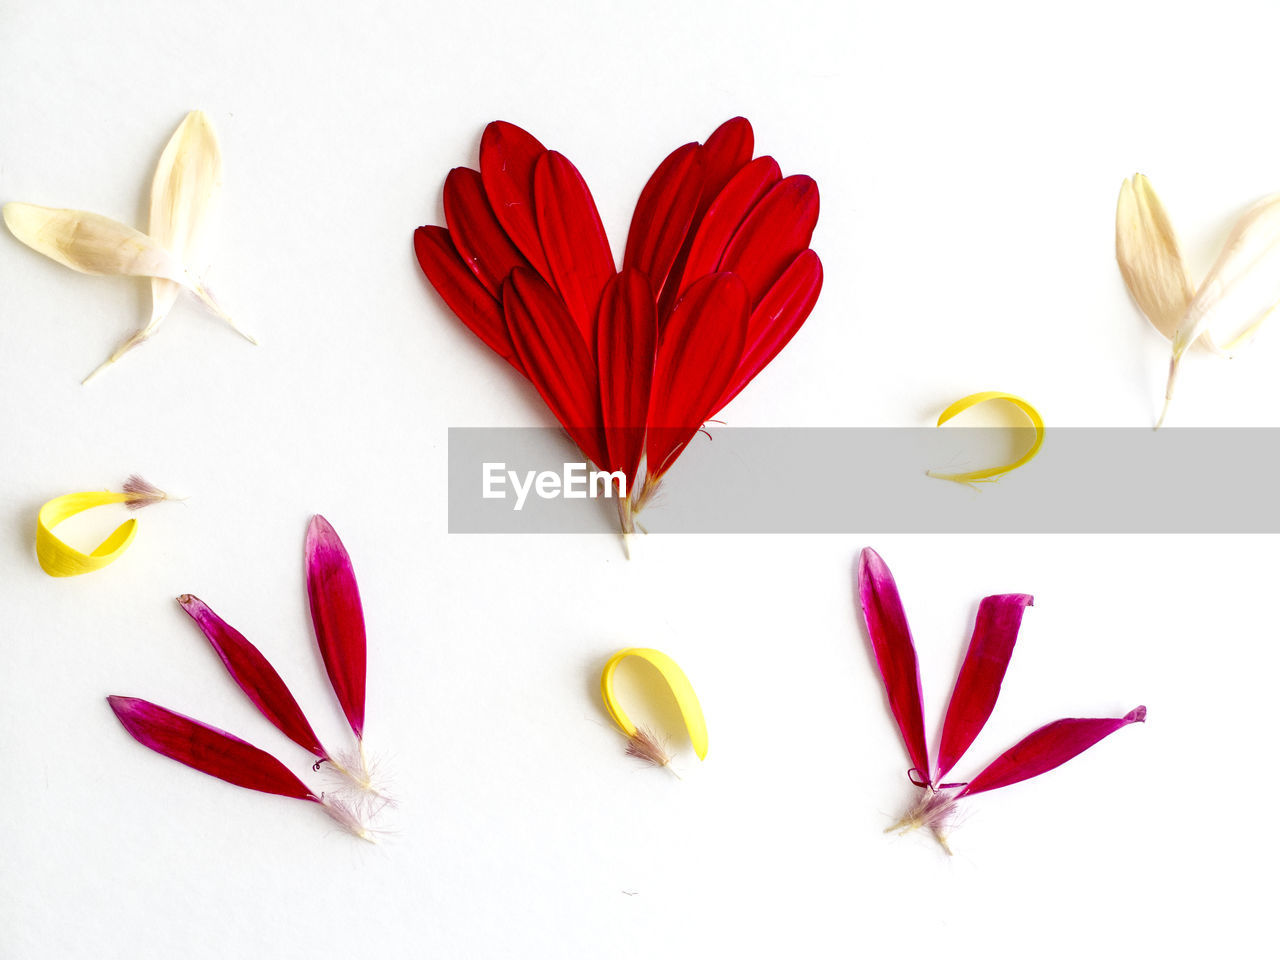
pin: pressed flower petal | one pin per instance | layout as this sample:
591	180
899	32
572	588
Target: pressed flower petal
91	243
698	352
626	348
675	679
776	319
726	151
508	156
207	749
254	675
557	359
1150	258
895	654
725	216
338	618
773	234
573	238
981	674
462	292
1050	746
476	234
996	472
663	213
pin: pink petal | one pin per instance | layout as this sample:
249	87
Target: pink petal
978	685
725	215
254	675
573	237
560	366
508	156
207	749
478	237
777	318
773	234
338	618
895	654
627	349
462	292
1050	746
698	352
663	214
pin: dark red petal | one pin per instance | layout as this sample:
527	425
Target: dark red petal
573	238
207	749
777	318
626	347
476	234
507	158
726	151
663	214
726	214
338	618
773	234
978	685
462	292
698	352
554	352
254	675
895	654
1050	746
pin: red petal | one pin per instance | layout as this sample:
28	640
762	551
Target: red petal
663	214
773	234
475	231
1050	746
777	318
507	158
895	654
698	351
207	749
462	292
726	214
254	675
627	345
573	238
726	151
338	618
556	356
981	674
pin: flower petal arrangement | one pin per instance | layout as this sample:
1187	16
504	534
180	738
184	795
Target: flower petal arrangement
339	627
972	701
716	278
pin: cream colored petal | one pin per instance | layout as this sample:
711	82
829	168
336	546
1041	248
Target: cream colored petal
1149	256
1242	288
92	243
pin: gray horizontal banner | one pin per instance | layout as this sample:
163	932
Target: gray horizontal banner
818	480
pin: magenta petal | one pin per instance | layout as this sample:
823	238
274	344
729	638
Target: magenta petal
978	685
895	654
338	618
1050	746
207	749
254	675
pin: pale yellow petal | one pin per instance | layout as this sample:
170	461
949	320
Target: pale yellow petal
1150	258
91	243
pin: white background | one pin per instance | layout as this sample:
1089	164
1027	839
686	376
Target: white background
968	156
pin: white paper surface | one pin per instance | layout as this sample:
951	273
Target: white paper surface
968	156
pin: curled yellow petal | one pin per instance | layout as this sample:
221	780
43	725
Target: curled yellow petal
996	472
1150	258
676	681
58	558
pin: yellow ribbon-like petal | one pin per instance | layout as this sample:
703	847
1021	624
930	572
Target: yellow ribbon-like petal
677	682
60	559
993	473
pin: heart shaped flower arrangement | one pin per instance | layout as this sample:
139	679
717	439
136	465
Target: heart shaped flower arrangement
716	278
